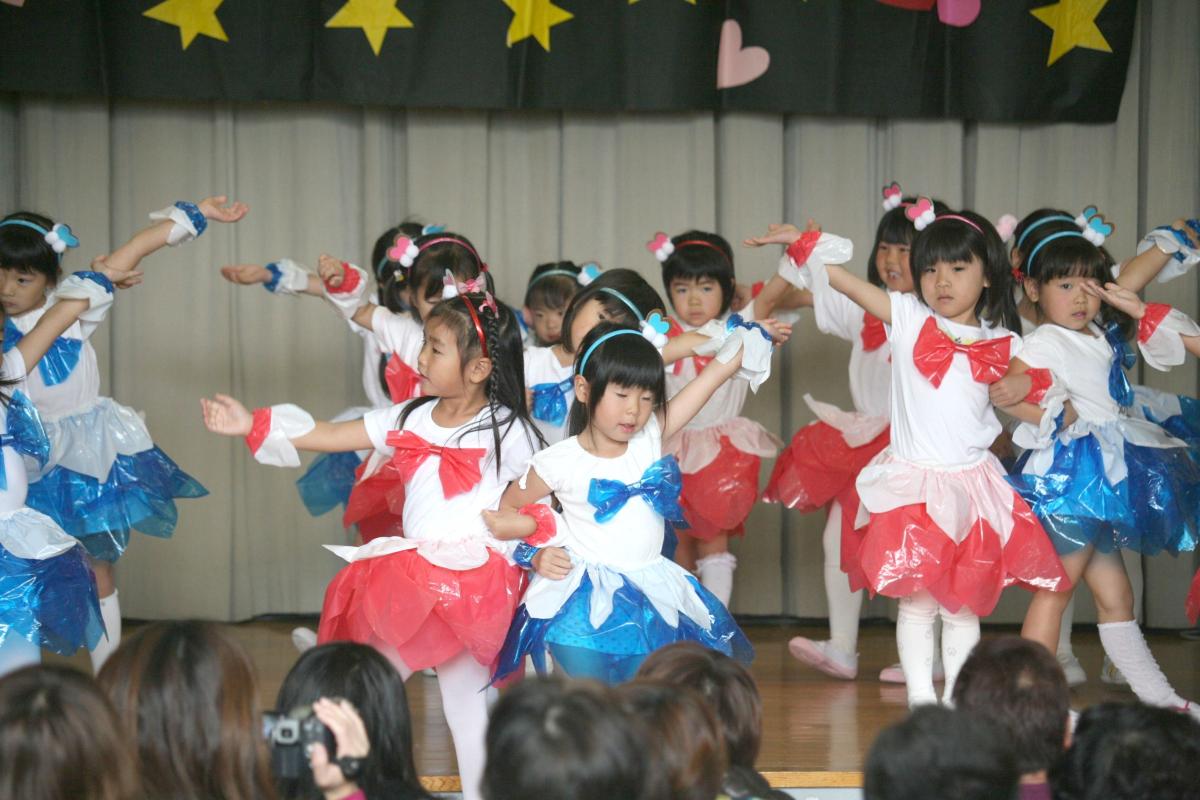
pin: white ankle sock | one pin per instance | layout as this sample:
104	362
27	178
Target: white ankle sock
17	652
960	634
914	640
1126	646
465	702
845	606
110	613
716	575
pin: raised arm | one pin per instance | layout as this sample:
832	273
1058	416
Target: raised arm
288	277
182	222
228	417
1137	273
692	397
350	300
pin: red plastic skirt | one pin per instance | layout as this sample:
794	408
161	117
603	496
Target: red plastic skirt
1193	600
903	551
718	498
426	612
818	466
376	503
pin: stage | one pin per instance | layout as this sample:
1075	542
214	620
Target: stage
816	730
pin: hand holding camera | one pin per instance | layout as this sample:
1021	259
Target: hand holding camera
352	746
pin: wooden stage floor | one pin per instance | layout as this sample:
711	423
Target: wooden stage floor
817	730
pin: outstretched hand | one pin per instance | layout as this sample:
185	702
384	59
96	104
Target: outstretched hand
226	416
1118	297
245	274
780	331
783	234
219	209
330	270
122	279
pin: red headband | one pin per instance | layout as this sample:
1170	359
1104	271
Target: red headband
478	325
702	243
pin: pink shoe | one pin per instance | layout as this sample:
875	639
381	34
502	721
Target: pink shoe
825	657
895	673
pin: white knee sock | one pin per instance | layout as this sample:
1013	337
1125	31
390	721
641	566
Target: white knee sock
110	612
716	575
1064	630
960	634
914	640
17	652
466	699
1126	646
845	606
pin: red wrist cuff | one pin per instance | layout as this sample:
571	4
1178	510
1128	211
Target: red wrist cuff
799	250
350	281
1148	324
1042	380
546	527
259	429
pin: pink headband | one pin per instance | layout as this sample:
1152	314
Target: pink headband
960	219
442	239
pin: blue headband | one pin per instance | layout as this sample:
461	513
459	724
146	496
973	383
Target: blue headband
566	273
1050	238
636	313
600	341
1043	221
24	223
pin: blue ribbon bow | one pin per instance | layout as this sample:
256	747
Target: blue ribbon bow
25	434
660	486
550	401
1119	387
737	321
60	360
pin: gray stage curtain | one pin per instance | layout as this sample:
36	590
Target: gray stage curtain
527	187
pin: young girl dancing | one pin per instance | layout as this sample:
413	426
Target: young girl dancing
604	597
442	595
1100	480
105	476
719	452
47	590
820	465
945	532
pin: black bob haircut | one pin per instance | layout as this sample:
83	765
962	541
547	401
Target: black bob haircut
624	360
700	255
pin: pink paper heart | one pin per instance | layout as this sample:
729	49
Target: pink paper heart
891	190
655	244
737	65
958	13
918	208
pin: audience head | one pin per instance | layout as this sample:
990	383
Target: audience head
1130	751
550	739
186	699
685	740
362	675
939	754
725	684
1018	685
60	740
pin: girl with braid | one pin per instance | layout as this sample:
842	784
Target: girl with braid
443	594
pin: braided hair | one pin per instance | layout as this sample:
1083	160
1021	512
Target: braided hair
505	386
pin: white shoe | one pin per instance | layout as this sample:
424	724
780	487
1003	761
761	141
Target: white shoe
1111	675
429	672
304	639
895	673
825	657
1072	668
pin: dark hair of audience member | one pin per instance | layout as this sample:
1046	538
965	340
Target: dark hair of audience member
186	697
59	739
1130	751
550	739
685	739
1019	685
939	754
362	675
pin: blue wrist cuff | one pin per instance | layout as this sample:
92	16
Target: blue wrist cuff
276	276
523	555
197	218
96	277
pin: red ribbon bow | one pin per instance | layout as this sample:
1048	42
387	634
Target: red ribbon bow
699	362
459	467
873	333
935	350
403	382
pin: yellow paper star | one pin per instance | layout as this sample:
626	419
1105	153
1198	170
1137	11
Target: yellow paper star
375	17
534	18
1074	25
192	17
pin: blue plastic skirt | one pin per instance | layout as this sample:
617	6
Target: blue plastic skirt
51	603
613	652
139	494
327	482
1184	425
1156	508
